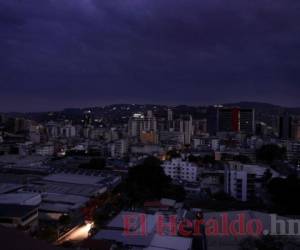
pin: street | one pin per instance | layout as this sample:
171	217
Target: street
78	234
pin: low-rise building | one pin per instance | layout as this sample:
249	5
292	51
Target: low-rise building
243	181
53	206
20	198
179	169
19	216
116	231
148	149
69	184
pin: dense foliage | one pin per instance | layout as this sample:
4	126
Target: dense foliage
149	182
284	193
270	153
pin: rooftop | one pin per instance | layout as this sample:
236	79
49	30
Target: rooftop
20	198
21	160
74	178
9	187
61	202
149	241
65	188
9	210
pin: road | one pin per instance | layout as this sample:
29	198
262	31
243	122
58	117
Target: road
79	234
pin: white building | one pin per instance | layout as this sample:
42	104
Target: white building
242	181
179	169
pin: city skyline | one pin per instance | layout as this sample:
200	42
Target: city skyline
82	108
176	122
57	54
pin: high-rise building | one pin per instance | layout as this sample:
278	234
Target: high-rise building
243	181
119	148
20	125
247	121
229	119
296	130
150	123
136	125
186	127
169	125
200	126
139	123
2	118
67	131
87	118
293	150
149	137
212	120
52	129
236	120
170	115
285	126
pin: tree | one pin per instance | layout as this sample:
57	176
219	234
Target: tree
48	233
283	193
148	182
242	158
172	154
175	192
270	153
267	176
99	219
209	159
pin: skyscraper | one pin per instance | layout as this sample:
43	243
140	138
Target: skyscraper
139	123
285	126
87	118
136	125
170	120
247	121
296	130
186	127
236	120
229	120
170	115
2	118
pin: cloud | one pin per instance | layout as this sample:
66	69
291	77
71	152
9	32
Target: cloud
161	51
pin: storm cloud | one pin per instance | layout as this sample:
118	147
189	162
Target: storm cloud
64	53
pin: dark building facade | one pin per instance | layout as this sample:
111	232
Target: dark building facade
236	120
285	126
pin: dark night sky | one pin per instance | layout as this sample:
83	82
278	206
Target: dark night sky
76	53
